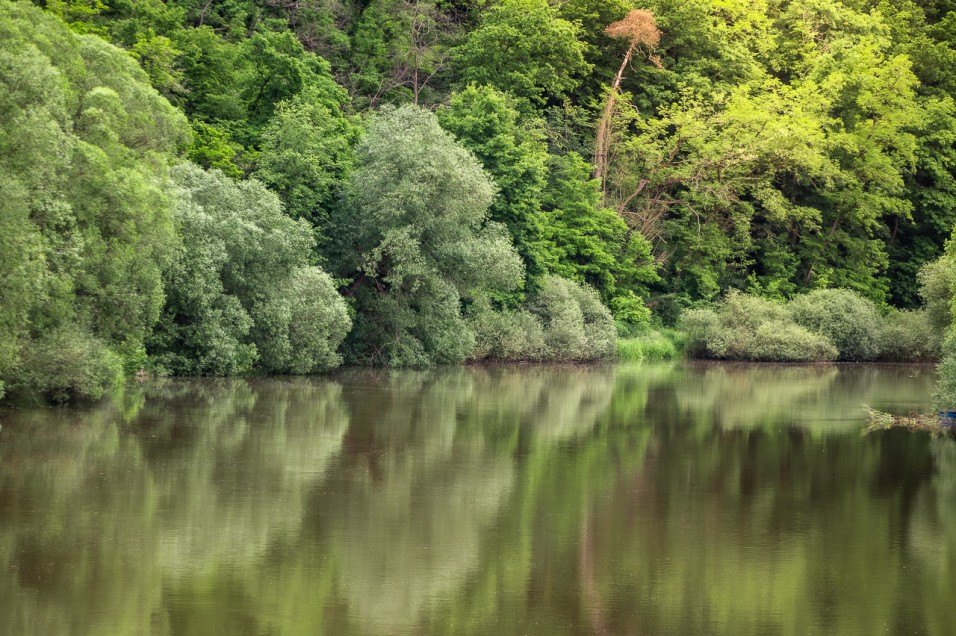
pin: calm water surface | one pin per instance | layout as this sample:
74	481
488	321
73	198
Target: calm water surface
688	499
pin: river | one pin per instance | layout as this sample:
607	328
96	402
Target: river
658	499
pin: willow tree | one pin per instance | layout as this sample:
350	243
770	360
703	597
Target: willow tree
640	29
240	292
414	241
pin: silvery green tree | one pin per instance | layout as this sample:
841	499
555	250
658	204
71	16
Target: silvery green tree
240	290
416	243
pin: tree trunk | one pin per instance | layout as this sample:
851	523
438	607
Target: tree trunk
602	138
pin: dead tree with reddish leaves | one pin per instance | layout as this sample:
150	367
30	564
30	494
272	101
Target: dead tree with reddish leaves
640	28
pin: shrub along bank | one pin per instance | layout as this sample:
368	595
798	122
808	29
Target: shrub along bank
825	324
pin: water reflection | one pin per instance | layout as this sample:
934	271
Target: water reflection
688	499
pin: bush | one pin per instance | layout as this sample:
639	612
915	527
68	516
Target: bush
746	327
699	324
506	334
850	321
826	324
600	332
782	341
910	336
576	325
564	321
299	328
944	398
67	364
936	280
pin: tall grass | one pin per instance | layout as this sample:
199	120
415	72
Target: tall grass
666	344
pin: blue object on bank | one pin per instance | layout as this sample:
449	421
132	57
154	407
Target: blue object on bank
947	418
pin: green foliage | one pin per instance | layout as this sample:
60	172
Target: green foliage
66	364
231	85
300	325
937	284
78	14
793	175
932	189
910	336
307	153
239	288
414	240
157	56
824	324
751	328
850	321
84	215
576	325
652	346
562	322
276	68
944	397
787	342
592	244
506	334
551	205
524	48
213	148
399	50
937	279
486	121
320	26
716	336
779	148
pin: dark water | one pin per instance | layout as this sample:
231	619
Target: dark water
629	500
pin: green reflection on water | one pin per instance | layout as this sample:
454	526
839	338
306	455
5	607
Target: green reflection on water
727	499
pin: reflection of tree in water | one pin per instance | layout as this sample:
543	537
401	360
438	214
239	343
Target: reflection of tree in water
242	480
432	465
819	398
63	543
419	490
750	532
554	403
206	475
481	500
527	564
649	526
933	529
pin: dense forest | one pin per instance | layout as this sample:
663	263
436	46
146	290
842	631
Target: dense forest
220	187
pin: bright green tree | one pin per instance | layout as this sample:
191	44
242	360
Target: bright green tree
524	48
514	153
307	153
592	244
551	205
84	209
